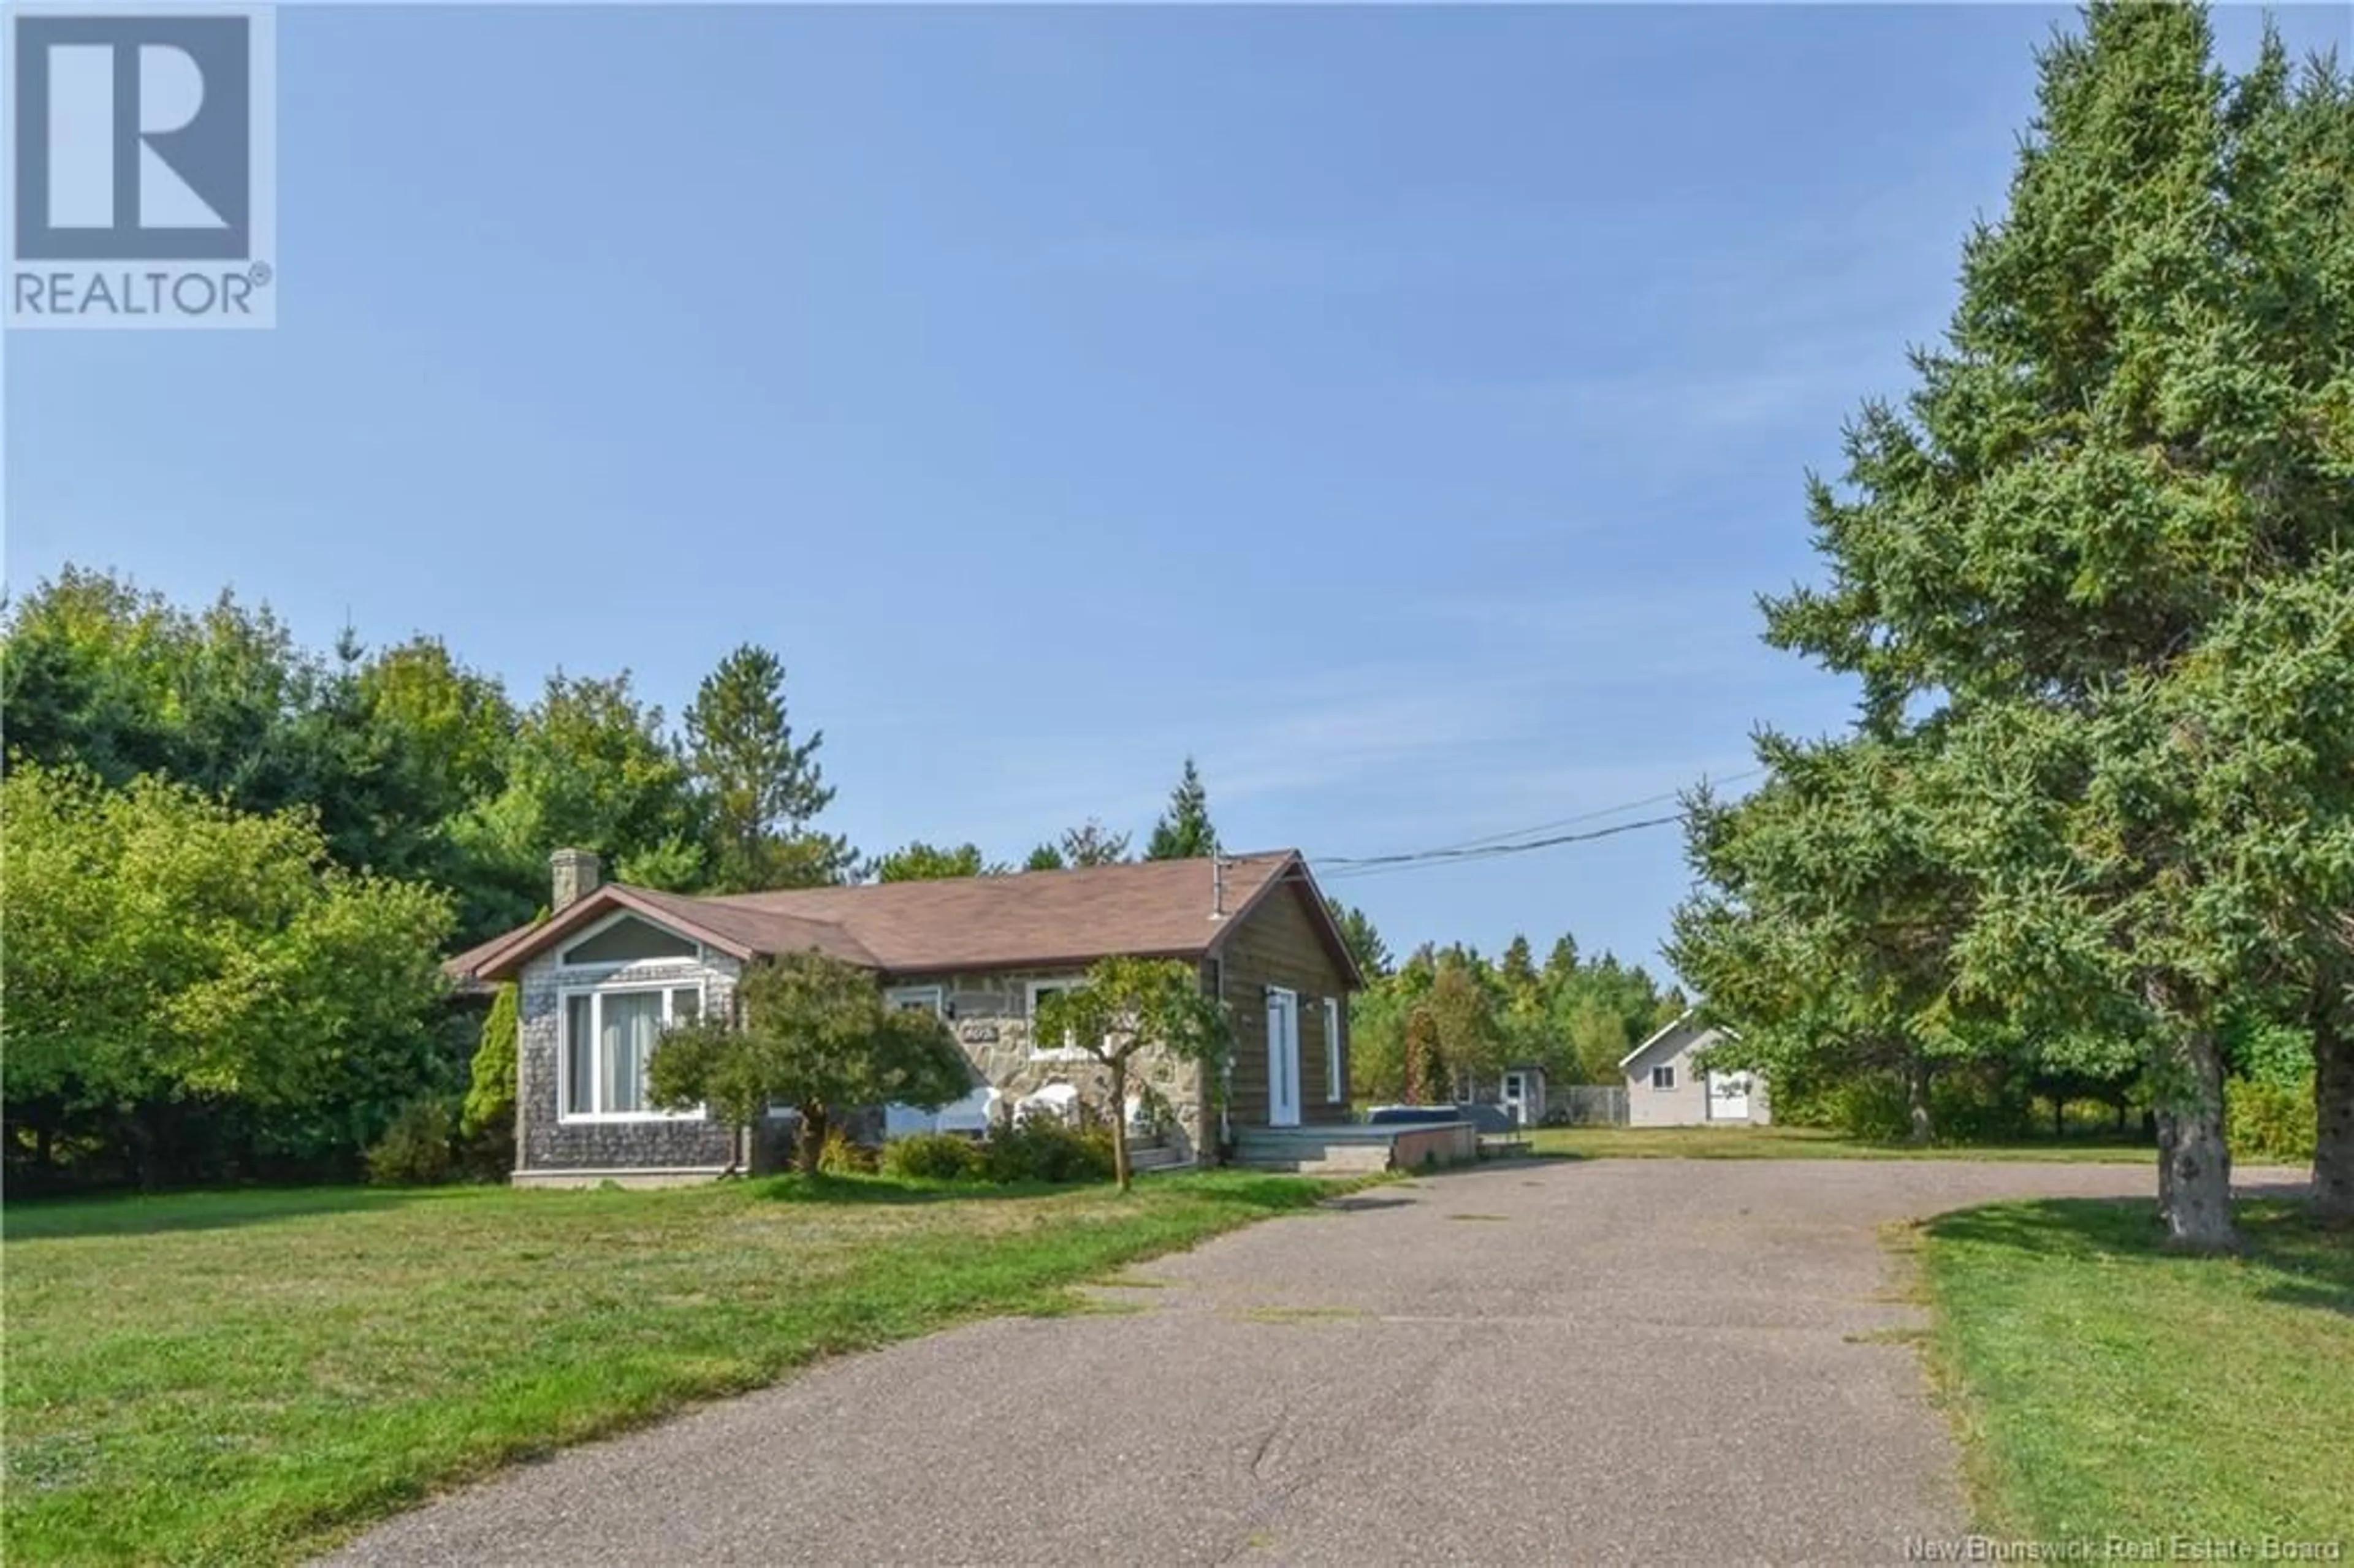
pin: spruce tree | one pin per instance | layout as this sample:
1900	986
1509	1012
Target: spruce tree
1184	831
2134	440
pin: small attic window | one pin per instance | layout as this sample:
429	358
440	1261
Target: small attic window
627	941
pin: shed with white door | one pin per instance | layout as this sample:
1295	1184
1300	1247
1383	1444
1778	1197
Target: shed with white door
1667	1088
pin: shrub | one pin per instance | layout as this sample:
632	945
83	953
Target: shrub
487	1123
1041	1149
1868	1106
420	1148
933	1157
1967	1106
2269	1121
842	1155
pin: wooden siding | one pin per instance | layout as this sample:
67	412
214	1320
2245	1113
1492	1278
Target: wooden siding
1277	944
1688	1104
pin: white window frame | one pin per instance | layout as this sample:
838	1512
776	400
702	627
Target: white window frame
1069	1051
1284	999
666	988
1663	1076
1335	1090
898	998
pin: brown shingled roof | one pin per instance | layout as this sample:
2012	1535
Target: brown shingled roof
1032	918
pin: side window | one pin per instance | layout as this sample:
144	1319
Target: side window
579	1056
1039	991
1663	1077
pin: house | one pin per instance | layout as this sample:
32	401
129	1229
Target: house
1664	1088
612	965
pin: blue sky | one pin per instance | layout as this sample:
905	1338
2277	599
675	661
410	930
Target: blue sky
1396	408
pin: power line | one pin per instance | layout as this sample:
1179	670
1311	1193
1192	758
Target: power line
1374	864
1516	840
1588	816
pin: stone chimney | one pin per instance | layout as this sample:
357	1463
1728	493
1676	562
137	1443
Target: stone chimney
574	874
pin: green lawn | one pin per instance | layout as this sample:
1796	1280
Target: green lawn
2105	1388
1808	1143
244	1377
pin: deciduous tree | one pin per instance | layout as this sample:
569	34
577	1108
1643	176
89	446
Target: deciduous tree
1126	1007
590	766
165	951
920	862
811	1032
1090	844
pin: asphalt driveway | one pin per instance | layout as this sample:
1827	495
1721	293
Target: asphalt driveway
1637	1361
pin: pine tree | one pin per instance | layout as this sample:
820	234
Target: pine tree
1184	831
1362	940
761	786
1518	969
1561	963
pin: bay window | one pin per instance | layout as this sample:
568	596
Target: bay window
608	1038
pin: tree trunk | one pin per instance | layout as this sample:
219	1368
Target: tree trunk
2194	1164
139	1138
2333	1108
1119	1123
808	1141
2059	1117
1916	1101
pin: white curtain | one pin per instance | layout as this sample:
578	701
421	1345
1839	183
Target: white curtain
631	1021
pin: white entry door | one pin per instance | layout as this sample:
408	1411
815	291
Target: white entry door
1515	1097
1728	1096
1282	1057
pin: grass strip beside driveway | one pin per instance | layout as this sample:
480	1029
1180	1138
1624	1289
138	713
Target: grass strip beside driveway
248	1377
2105	1388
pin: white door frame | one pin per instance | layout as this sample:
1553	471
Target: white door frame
1516	1101
1282	1057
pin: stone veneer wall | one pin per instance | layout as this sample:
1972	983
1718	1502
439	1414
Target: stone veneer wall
990	1014
543	1143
